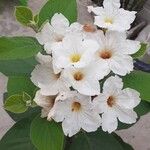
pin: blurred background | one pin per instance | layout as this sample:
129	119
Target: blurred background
138	135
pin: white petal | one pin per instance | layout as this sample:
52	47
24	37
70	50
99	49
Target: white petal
129	98
48	46
58	111
42	74
127	19
90	121
111	3
44	101
95	10
46	34
43	59
112	84
45	112
59	21
109	121
71	126
126	115
100	103
121	64
131	47
87	87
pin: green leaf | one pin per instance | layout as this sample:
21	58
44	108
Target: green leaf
20	84
24	15
15	104
139	81
46	135
17	67
66	7
141	51
142	109
18	137
98	140
12	48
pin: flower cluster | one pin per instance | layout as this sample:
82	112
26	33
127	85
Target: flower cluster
79	77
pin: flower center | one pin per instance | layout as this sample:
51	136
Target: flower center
75	58
108	20
57	76
59	38
106	54
111	101
76	106
78	76
89	28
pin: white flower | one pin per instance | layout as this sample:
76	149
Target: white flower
76	112
74	51
43	77
115	51
55	32
86	80
46	102
116	102
112	17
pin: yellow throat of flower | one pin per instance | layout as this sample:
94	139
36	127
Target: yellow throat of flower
75	58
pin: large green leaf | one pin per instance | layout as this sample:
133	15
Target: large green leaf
139	81
18	47
24	15
98	140
66	7
18	137
46	135
17	67
20	84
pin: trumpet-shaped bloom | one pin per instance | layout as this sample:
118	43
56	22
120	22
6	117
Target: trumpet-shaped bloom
115	51
112	17
55	32
116	102
76	112
86	80
74	52
44	77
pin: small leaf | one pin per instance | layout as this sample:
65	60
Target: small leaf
141	51
15	104
18	137
12	48
46	135
139	81
23	15
66	7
